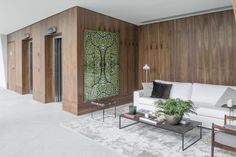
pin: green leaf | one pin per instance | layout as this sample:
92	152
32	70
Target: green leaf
175	107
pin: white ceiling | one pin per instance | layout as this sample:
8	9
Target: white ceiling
16	14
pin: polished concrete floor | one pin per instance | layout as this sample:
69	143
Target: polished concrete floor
31	129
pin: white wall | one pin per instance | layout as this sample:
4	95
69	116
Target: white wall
3	61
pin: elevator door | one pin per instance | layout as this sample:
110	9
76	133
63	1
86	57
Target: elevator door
30	50
58	70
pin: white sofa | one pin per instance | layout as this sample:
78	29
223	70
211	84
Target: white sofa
204	97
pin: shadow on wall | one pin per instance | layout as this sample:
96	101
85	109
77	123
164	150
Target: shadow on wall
3	61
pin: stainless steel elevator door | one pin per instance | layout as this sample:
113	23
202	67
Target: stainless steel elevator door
58	70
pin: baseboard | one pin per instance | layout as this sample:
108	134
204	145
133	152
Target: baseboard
121	100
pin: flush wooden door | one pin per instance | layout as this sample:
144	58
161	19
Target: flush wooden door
11	66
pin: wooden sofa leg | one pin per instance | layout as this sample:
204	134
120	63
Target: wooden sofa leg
212	150
212	140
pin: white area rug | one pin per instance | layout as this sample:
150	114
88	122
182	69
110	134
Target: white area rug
140	140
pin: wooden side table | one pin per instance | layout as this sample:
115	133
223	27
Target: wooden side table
103	103
231	110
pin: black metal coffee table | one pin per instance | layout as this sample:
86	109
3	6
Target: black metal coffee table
180	129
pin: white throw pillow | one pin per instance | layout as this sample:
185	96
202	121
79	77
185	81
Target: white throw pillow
229	93
147	88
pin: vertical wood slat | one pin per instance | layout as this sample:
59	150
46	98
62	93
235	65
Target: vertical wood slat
193	49
66	23
128	36
234	7
25	67
71	24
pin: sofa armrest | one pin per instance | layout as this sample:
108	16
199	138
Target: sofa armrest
137	95
221	128
233	118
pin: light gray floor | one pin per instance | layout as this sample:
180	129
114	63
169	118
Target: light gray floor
32	129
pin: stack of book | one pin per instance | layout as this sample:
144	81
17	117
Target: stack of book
132	116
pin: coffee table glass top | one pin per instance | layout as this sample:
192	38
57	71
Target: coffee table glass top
180	128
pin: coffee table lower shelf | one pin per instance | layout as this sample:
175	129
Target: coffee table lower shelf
180	129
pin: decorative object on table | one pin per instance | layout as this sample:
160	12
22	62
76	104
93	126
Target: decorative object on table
174	109
155	116
161	90
146	68
152	114
101	64
173	119
230	103
161	119
146	115
160	116
132	109
228	95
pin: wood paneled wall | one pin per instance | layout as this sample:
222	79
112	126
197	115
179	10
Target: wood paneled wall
71	24
66	23
194	49
15	79
128	36
234	7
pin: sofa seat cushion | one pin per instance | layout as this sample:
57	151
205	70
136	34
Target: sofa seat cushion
179	89
204	104
212	112
225	138
148	100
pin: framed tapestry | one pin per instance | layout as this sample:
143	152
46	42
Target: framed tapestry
101	64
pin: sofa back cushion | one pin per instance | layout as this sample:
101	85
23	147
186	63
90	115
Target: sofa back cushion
207	93
147	88
229	93
179	89
161	90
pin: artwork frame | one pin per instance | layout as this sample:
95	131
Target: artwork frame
101	64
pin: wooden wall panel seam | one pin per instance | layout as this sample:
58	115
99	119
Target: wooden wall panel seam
193	49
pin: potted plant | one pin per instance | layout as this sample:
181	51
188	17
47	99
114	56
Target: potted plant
174	109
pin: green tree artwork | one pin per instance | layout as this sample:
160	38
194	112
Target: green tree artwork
101	64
